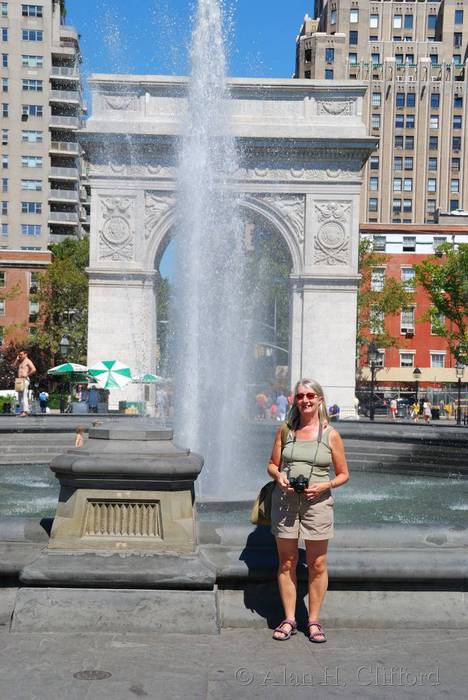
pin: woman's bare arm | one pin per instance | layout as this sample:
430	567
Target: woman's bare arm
339	460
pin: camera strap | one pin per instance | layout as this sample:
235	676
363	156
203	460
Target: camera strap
319	440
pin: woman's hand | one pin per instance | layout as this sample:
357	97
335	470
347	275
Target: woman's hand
316	490
283	483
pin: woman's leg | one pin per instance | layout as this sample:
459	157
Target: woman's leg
316	555
287	579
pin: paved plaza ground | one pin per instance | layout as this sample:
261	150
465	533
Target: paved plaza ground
381	664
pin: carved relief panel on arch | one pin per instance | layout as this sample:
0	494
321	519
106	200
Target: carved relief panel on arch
117	232
332	241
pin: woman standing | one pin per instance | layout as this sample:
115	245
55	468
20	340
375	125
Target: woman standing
302	505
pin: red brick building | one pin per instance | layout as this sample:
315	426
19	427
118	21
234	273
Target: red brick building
19	271
418	347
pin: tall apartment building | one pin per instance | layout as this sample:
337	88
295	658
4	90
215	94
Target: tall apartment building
44	195
412	55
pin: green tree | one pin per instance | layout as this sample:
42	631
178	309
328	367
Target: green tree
373	306
63	300
444	276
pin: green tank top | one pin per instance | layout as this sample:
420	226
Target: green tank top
298	457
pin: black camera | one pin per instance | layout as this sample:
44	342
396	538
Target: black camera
299	483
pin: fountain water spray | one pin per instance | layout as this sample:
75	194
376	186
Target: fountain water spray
211	344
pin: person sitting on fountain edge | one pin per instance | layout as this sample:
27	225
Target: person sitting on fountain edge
302	504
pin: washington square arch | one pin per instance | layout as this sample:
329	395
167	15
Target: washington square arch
304	144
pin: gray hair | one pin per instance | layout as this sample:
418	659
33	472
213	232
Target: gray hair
294	415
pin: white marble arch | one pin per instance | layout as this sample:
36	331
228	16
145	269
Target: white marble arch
303	148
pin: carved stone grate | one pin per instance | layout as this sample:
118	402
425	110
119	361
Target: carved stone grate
123	519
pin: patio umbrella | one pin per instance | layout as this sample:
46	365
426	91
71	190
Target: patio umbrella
67	368
148	378
111	374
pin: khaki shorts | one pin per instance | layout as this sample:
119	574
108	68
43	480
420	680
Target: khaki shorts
293	516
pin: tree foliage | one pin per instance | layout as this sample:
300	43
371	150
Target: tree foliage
444	276
373	306
63	300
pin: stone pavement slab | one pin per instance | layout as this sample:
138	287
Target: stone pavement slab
370	664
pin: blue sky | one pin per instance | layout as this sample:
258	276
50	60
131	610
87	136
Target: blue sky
151	36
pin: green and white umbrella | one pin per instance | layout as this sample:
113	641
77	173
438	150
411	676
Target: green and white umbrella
111	374
67	368
148	378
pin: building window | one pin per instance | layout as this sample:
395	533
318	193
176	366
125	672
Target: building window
399	59
4	208
406	359
31	185
437	360
352	58
31	229
398	163
32	61
398	141
433	143
397	184
409	244
457	59
410	99
458	101
434	121
396	206
379	243
454	205
407	276
4	229
377	320
4	184
308	55
410	121
431	206
4	137
4	34
399	121
373	204
32	34
407	320
458	17
373	184
375	58
328	74
32	85
431	184
457	121
4	84
376	99
353	16
3	9
456	164
377	279
353	37
407	207
373	21
456	143
31	161
431	21
31	10
400	99
454	186
374	162
4	162
329	55
333	17
397	21
2	308
31	207
457	39
307	74
375	121
31	136
438	241
409	60
409	143
408	21
33	110
5	109
408	184
4	60
436	320
435	100
2	279
408	162
432	164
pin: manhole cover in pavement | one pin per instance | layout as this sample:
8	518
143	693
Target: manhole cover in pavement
92	675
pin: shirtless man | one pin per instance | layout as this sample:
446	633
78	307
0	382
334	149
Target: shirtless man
25	370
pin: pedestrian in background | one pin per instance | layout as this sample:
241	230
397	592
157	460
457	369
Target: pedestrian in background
43	401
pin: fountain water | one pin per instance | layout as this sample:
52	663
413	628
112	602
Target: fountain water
210	330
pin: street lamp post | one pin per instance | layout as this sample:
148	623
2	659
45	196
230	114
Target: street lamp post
417	375
64	347
372	357
459	370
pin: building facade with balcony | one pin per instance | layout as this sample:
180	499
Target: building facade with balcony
417	346
412	57
44	193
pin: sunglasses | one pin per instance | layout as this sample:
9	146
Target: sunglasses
310	396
